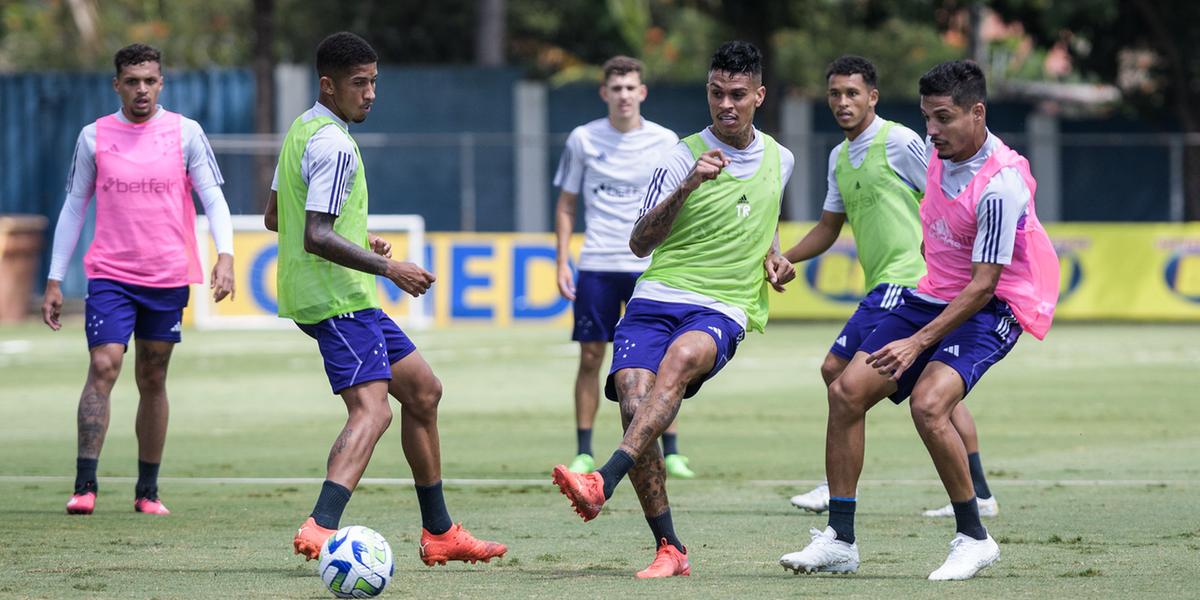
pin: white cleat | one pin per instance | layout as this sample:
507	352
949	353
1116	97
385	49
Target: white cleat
825	554
816	500
968	556
987	508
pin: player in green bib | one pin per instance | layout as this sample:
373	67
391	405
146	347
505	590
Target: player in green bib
326	283
710	218
876	182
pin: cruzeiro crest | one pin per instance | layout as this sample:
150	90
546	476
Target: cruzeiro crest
743	207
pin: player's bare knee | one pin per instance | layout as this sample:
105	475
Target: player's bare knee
423	402
831	368
629	406
843	402
105	367
591	356
929	413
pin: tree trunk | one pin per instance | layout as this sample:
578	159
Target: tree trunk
489	33
264	93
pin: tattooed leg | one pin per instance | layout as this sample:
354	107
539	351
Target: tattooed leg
92	417
690	356
369	416
153	357
648	475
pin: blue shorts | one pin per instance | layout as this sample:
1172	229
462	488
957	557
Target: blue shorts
113	310
871	310
649	327
970	349
358	347
599	296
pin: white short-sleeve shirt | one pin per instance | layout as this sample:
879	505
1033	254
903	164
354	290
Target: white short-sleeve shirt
906	155
611	170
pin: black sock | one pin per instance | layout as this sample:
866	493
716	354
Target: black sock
841	518
147	483
583	441
614	470
664	529
981	488
434	516
330	504
85	475
966	519
670	444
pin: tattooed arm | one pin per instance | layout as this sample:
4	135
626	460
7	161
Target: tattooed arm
655	225
320	239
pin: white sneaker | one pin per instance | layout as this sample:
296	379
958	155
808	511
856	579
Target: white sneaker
825	554
987	508
968	556
816	500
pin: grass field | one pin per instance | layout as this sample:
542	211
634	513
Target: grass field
1090	439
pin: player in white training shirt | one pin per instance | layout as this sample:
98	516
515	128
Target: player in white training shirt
608	161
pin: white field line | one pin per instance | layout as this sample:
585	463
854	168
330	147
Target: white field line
546	481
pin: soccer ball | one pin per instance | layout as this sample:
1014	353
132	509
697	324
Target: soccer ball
356	562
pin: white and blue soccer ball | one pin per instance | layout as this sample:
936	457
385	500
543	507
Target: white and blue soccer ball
356	562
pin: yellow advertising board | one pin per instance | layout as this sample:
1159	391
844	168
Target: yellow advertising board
1110	271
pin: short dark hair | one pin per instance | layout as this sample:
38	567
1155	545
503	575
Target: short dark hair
850	64
621	65
341	52
136	54
962	80
737	57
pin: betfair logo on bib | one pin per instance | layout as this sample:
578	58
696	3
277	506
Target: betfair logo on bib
151	185
743	207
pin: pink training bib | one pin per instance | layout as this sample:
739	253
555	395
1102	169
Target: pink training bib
1029	284
145	219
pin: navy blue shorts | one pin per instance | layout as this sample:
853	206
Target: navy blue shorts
871	310
970	349
649	327
599	296
358	347
113	310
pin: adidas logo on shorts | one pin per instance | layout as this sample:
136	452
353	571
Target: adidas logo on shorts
951	350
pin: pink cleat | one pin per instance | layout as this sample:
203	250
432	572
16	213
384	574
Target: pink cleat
150	507
81	504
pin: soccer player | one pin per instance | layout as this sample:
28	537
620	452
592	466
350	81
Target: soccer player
710	219
609	161
876	181
991	274
326	284
147	161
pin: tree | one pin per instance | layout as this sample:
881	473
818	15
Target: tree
1150	50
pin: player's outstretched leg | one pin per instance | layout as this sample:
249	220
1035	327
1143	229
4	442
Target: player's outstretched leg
649	479
964	424
369	415
419	392
92	422
939	389
150	370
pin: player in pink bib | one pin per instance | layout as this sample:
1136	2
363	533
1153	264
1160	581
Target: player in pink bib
142	163
991	274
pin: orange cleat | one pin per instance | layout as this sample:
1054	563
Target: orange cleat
668	562
150	507
81	504
457	544
309	539
585	491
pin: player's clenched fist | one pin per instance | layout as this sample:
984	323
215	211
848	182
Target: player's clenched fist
410	277
707	167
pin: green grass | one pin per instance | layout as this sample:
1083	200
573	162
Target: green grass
1096	402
